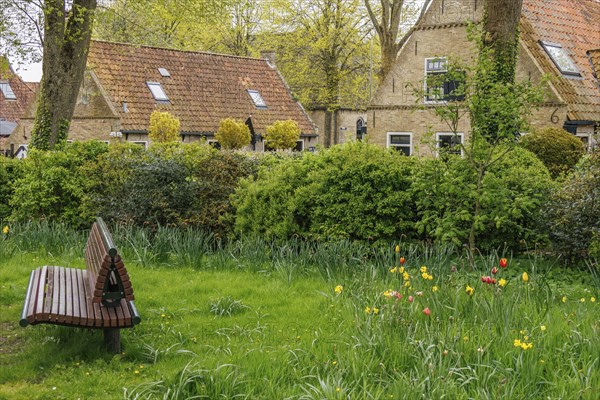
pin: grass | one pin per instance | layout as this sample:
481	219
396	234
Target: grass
257	320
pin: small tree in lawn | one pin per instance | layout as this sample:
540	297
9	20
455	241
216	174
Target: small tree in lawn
163	128
282	135
233	134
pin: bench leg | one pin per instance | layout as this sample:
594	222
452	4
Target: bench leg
112	339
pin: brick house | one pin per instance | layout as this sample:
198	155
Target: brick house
559	39
348	124
15	97
124	83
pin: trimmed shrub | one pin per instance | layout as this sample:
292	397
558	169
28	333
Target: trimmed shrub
233	134
163	128
282	135
558	149
53	185
573	214
355	191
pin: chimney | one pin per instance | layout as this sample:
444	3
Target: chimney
268	55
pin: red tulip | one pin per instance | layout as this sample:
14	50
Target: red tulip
494	270
410	299
503	262
488	279
427	311
483	279
402	260
493	281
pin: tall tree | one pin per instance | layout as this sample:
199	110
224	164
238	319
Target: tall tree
67	33
391	18
325	55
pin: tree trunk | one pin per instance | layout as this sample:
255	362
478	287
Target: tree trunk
327	128
66	41
502	36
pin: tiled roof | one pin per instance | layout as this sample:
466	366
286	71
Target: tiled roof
575	26
203	88
13	110
594	56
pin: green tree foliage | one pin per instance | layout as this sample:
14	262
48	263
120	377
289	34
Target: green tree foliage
164	127
233	134
10	171
282	135
573	214
558	149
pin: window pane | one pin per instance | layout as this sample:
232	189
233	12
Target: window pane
400	139
157	91
7	91
257	98
561	59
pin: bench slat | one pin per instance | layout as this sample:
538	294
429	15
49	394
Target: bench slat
36	292
61	314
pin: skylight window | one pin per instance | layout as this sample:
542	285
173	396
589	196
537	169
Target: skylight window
157	91
259	102
164	72
7	91
561	59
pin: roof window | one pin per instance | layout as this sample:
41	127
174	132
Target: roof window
7	91
164	72
157	91
259	102
561	59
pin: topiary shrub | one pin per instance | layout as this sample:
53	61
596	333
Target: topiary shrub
163	128
558	149
233	134
282	135
572	216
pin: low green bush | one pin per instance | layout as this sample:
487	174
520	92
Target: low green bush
513	190
558	149
10	171
355	191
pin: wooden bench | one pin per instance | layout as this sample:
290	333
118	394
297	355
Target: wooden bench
99	297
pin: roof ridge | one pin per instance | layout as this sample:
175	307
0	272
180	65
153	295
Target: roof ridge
211	53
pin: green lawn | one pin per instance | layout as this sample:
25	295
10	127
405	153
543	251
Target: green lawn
275	330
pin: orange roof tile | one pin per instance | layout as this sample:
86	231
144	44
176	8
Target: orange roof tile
203	88
13	110
575	26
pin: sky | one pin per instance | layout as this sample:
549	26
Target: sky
29	72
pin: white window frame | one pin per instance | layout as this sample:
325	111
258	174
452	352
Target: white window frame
439	71
459	134
157	91
140	143
410	145
7	90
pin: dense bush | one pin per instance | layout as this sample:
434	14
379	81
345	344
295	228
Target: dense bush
513	191
557	148
233	134
53	186
282	135
573	214
356	191
163	128
10	171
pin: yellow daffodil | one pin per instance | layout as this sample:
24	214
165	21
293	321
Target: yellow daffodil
423	269
397	249
388	293
582	300
593	299
405	276
517	343
394	270
401	270
434	289
368	310
339	289
375	310
542	328
470	291
5	230
525	277
424	275
502	282
407	284
564	299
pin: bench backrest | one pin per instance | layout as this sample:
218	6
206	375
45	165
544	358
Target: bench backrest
107	276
